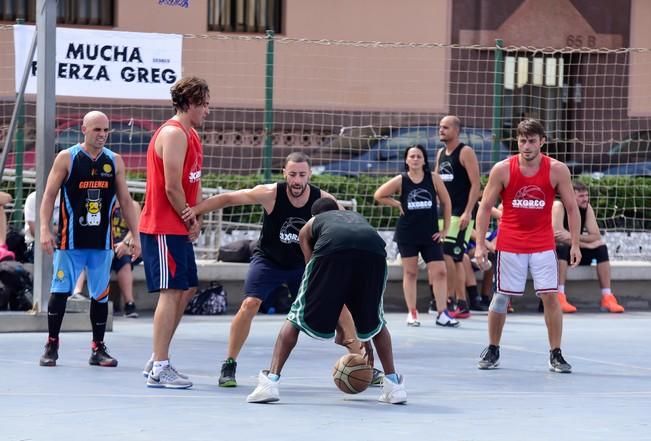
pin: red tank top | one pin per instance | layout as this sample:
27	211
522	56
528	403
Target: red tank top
158	215
526	224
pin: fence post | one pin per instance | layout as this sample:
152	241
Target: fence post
497	98
268	107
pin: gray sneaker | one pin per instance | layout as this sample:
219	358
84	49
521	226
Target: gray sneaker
167	378
557	363
150	365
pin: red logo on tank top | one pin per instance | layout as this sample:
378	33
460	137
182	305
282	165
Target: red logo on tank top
529	197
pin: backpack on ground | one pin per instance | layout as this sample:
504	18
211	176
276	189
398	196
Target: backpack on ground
18	285
208	301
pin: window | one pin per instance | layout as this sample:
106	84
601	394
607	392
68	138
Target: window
73	12
255	16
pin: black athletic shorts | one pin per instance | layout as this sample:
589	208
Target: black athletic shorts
353	278
600	254
431	252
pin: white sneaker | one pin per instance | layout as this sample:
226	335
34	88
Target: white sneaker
445	320
412	320
150	365
266	391
167	378
393	393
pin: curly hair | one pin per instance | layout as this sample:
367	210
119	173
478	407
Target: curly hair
189	91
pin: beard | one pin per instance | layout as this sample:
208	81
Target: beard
297	191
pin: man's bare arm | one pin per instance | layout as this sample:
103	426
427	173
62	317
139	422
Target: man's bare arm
305	240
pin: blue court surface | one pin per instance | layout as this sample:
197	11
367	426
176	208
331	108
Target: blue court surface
607	397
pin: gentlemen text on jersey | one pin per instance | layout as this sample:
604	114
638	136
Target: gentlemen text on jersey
526	223
455	177
158	216
420	220
279	237
87	199
340	230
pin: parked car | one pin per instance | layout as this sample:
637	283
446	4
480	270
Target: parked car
386	157
129	137
634	149
630	169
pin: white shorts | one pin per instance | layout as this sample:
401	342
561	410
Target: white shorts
511	272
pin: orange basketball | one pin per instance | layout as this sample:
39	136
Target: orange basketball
351	374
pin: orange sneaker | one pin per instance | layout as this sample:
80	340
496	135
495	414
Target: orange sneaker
609	304
566	307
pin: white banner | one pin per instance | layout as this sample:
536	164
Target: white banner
106	64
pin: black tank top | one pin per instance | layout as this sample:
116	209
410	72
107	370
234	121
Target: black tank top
87	199
582	212
420	220
455	177
279	237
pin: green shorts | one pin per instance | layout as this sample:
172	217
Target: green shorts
456	241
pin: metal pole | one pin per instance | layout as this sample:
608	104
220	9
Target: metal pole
268	107
46	13
497	98
19	98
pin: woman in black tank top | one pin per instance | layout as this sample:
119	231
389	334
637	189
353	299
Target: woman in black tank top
417	229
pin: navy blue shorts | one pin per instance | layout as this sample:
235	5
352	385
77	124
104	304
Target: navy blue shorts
264	277
119	262
169	262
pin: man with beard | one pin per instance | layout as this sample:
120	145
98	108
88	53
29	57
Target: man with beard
278	257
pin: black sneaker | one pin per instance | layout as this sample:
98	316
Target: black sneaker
227	377
432	307
490	358
477	305
100	356
557	363
130	310
451	304
51	354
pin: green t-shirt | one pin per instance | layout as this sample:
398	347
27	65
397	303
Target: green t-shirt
339	230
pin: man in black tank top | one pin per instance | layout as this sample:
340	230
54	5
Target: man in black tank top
278	258
457	165
89	178
592	247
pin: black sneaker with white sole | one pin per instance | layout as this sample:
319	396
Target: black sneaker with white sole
557	363
490	358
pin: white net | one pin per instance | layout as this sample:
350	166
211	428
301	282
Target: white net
355	106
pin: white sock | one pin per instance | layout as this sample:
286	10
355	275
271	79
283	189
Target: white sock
561	288
152	357
159	365
606	291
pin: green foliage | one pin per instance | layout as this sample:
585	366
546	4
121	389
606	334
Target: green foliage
620	202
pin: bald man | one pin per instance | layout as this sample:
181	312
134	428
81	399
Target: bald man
457	165
89	178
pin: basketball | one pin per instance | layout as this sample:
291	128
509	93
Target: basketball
351	374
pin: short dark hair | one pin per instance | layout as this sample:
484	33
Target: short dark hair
530	126
422	149
298	157
322	205
189	91
579	187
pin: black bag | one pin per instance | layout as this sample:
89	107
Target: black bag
16	242
208	301
278	302
237	251
18	284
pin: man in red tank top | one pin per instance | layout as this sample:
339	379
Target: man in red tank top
527	184
174	160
